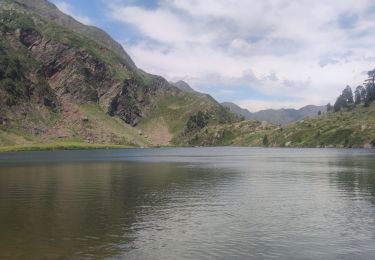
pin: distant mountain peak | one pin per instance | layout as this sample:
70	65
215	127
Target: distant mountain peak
182	85
276	116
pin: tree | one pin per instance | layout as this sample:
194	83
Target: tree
371	77
360	95
340	102
363	94
344	100
265	140
199	121
347	95
370	87
329	107
319	113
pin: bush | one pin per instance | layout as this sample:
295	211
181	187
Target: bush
199	120
265	140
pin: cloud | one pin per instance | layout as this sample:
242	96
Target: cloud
161	25
67	9
303	52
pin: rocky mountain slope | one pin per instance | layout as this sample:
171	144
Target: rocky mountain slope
276	116
61	81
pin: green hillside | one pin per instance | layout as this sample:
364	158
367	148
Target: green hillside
61	81
350	127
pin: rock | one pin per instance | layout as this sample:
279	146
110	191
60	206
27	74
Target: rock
37	131
28	36
368	146
84	119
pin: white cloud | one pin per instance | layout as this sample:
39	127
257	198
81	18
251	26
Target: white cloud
161	25
296	50
67	9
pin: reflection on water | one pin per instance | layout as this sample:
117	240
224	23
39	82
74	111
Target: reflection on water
188	203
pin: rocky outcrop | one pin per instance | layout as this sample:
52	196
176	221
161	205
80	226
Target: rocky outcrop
78	75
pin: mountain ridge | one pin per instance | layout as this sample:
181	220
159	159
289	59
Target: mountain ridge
276	116
59	84
182	85
49	11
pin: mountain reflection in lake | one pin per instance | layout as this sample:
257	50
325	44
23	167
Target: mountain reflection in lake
193	203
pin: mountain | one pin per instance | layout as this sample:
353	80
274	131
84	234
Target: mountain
276	116
350	127
64	84
182	85
61	81
49	12
287	116
236	109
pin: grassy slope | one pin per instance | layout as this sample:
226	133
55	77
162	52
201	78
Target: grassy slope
172	113
100	121
112	130
348	128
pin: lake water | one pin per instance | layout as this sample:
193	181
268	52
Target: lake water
188	203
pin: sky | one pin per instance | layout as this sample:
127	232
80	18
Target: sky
257	54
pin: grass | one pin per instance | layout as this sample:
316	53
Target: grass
174	112
101	122
347	128
58	146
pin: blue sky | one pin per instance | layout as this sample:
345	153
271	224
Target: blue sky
258	54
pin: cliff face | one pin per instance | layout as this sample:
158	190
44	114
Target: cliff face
76	75
54	72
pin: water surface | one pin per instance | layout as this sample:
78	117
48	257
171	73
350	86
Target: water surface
188	203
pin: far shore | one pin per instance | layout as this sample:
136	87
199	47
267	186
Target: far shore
88	146
59	146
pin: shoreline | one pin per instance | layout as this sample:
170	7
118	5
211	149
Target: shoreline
86	146
59	146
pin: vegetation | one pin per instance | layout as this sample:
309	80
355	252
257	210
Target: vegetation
58	146
63	87
197	121
349	123
362	94
347	128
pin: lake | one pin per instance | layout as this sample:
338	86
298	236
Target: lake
188	203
